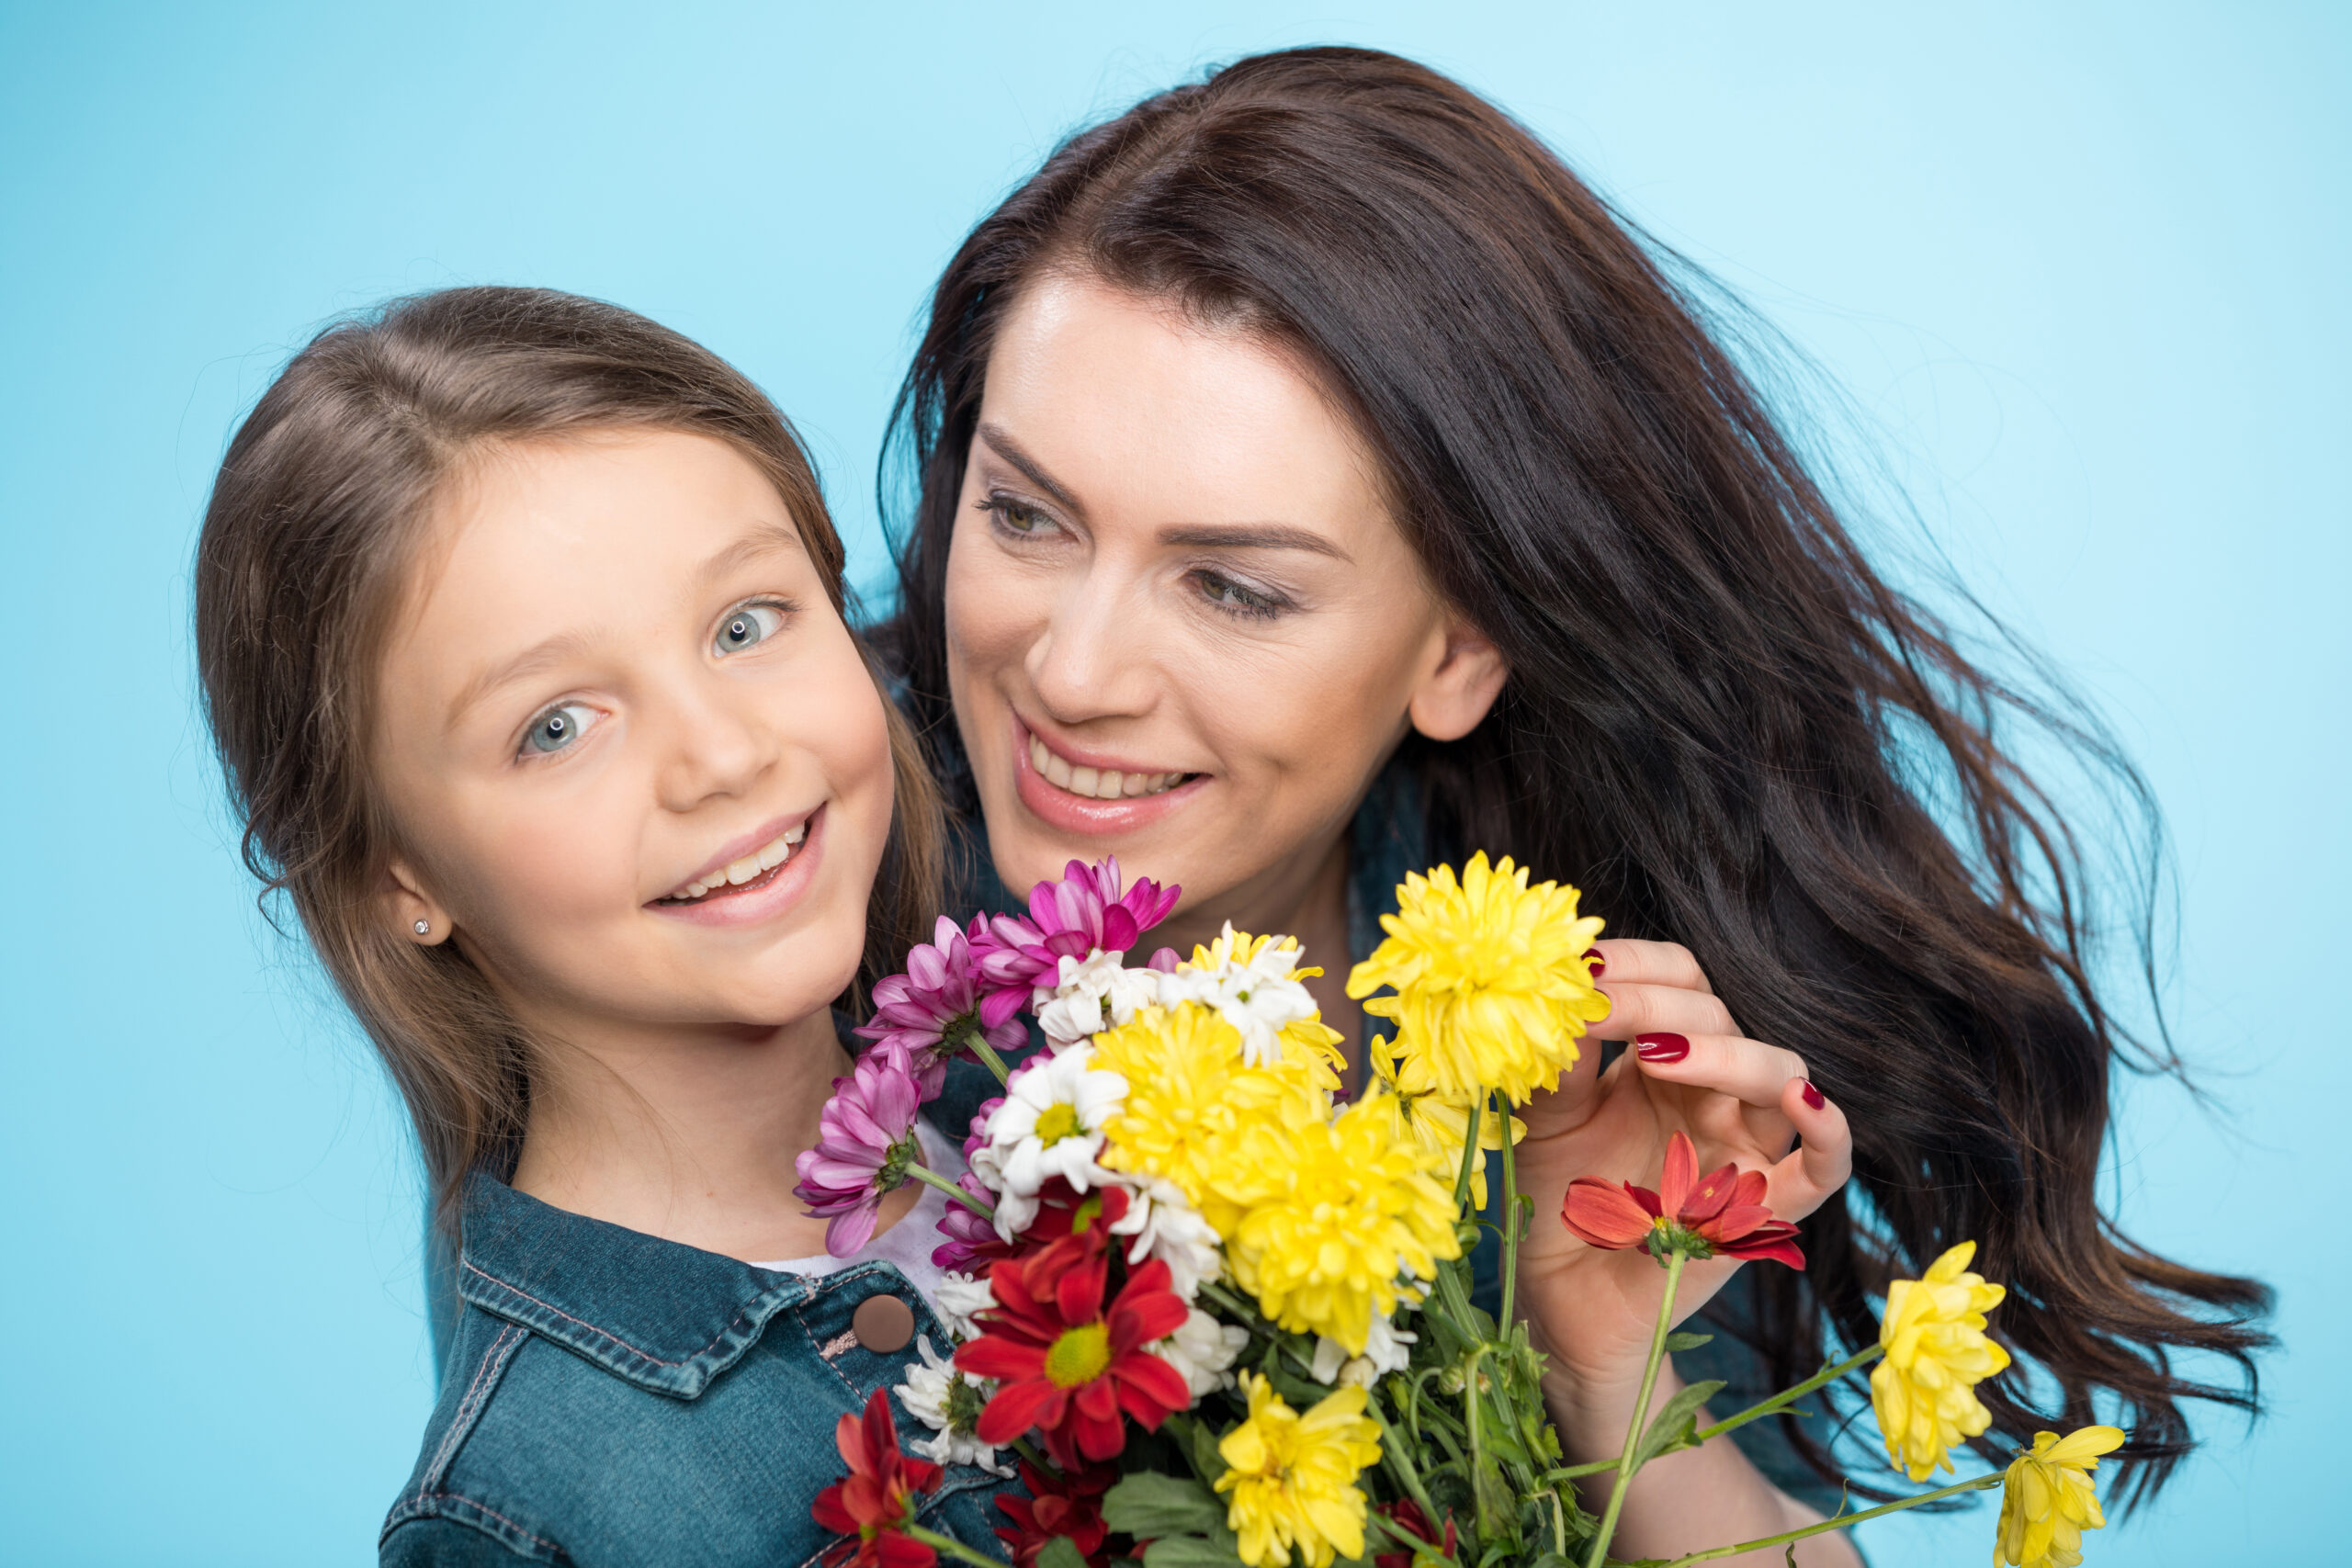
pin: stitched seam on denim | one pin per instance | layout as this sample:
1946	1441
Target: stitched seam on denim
810	1334
603	1333
493	1364
501	1518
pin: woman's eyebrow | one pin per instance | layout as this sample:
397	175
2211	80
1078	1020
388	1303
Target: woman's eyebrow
1012	451
1252	536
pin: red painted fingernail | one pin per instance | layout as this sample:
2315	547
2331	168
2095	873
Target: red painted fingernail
1661	1047
1811	1095
1600	965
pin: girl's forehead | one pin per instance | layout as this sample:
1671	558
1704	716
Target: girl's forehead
550	548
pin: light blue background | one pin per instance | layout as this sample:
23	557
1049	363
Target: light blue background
2084	272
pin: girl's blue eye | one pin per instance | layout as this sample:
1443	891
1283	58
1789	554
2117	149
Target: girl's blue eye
559	727
753	623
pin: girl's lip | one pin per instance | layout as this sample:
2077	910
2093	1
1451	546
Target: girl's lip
765	896
1060	809
736	849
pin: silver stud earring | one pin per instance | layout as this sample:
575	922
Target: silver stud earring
424	927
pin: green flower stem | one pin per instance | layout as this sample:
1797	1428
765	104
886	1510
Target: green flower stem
976	1043
1028	1450
923	1173
1510	1227
1626	1466
1469	1153
1401	1536
1487	1527
1400	1464
1786	1397
949	1545
1974	1483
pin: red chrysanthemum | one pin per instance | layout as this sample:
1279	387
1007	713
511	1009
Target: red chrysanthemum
1066	1365
1408	1515
1068	1506
875	1502
1696	1215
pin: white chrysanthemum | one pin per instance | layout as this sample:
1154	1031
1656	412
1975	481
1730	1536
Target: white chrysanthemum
1167	1228
948	1403
1050	1124
1093	993
959	1297
1387	1349
1204	1351
1259	998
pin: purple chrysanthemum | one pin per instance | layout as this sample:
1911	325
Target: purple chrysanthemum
1085	911
972	1242
930	1013
866	1142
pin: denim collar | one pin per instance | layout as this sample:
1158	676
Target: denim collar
667	1317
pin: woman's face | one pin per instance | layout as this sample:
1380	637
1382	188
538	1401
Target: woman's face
631	753
1182	627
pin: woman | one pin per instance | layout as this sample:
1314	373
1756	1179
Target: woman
1312	480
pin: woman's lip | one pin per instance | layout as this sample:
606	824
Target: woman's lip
1079	756
756	902
1060	809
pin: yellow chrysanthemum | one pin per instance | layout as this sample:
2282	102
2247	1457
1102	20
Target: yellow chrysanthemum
1493	989
2047	1501
1330	1215
1189	1098
1924	1390
1431	1122
1292	1477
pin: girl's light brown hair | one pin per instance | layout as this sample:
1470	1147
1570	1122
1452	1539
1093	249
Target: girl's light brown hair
306	544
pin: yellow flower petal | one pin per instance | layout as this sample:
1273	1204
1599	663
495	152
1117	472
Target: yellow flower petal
1923	1389
1291	1477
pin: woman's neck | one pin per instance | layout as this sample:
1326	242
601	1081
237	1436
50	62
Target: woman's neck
1314	908
691	1137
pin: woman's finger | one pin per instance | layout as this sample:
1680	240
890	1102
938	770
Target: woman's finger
1821	1162
1638	1007
1650	964
1748	1070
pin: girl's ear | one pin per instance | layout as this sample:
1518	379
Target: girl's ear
1457	695
422	918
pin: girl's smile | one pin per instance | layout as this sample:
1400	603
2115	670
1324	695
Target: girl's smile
745	886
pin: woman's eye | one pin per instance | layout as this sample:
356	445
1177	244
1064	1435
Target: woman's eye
1228	595
753	623
1016	516
559	728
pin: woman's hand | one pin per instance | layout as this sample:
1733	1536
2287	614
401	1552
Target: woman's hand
1740	1101
1592	1311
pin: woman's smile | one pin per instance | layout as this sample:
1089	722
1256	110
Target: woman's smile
1078	791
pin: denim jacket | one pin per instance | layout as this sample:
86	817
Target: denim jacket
612	1398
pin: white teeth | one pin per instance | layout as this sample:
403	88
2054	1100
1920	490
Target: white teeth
770	856
1100	784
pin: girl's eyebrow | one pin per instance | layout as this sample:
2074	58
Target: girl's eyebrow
766	539
530	661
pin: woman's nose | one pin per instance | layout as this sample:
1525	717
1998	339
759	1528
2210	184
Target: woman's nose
1092	659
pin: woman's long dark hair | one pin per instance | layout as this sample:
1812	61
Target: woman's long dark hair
1720	722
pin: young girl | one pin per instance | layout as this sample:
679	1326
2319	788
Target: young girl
521	628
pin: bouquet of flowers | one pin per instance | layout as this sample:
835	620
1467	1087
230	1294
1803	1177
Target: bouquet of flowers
1211	1314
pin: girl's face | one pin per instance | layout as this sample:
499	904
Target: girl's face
631	752
1182	626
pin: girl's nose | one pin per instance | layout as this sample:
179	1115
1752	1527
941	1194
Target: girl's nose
1092	658
714	749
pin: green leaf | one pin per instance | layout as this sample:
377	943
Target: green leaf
1675	1421
1677	1342
1190	1552
1207	1462
1152	1507
1060	1552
